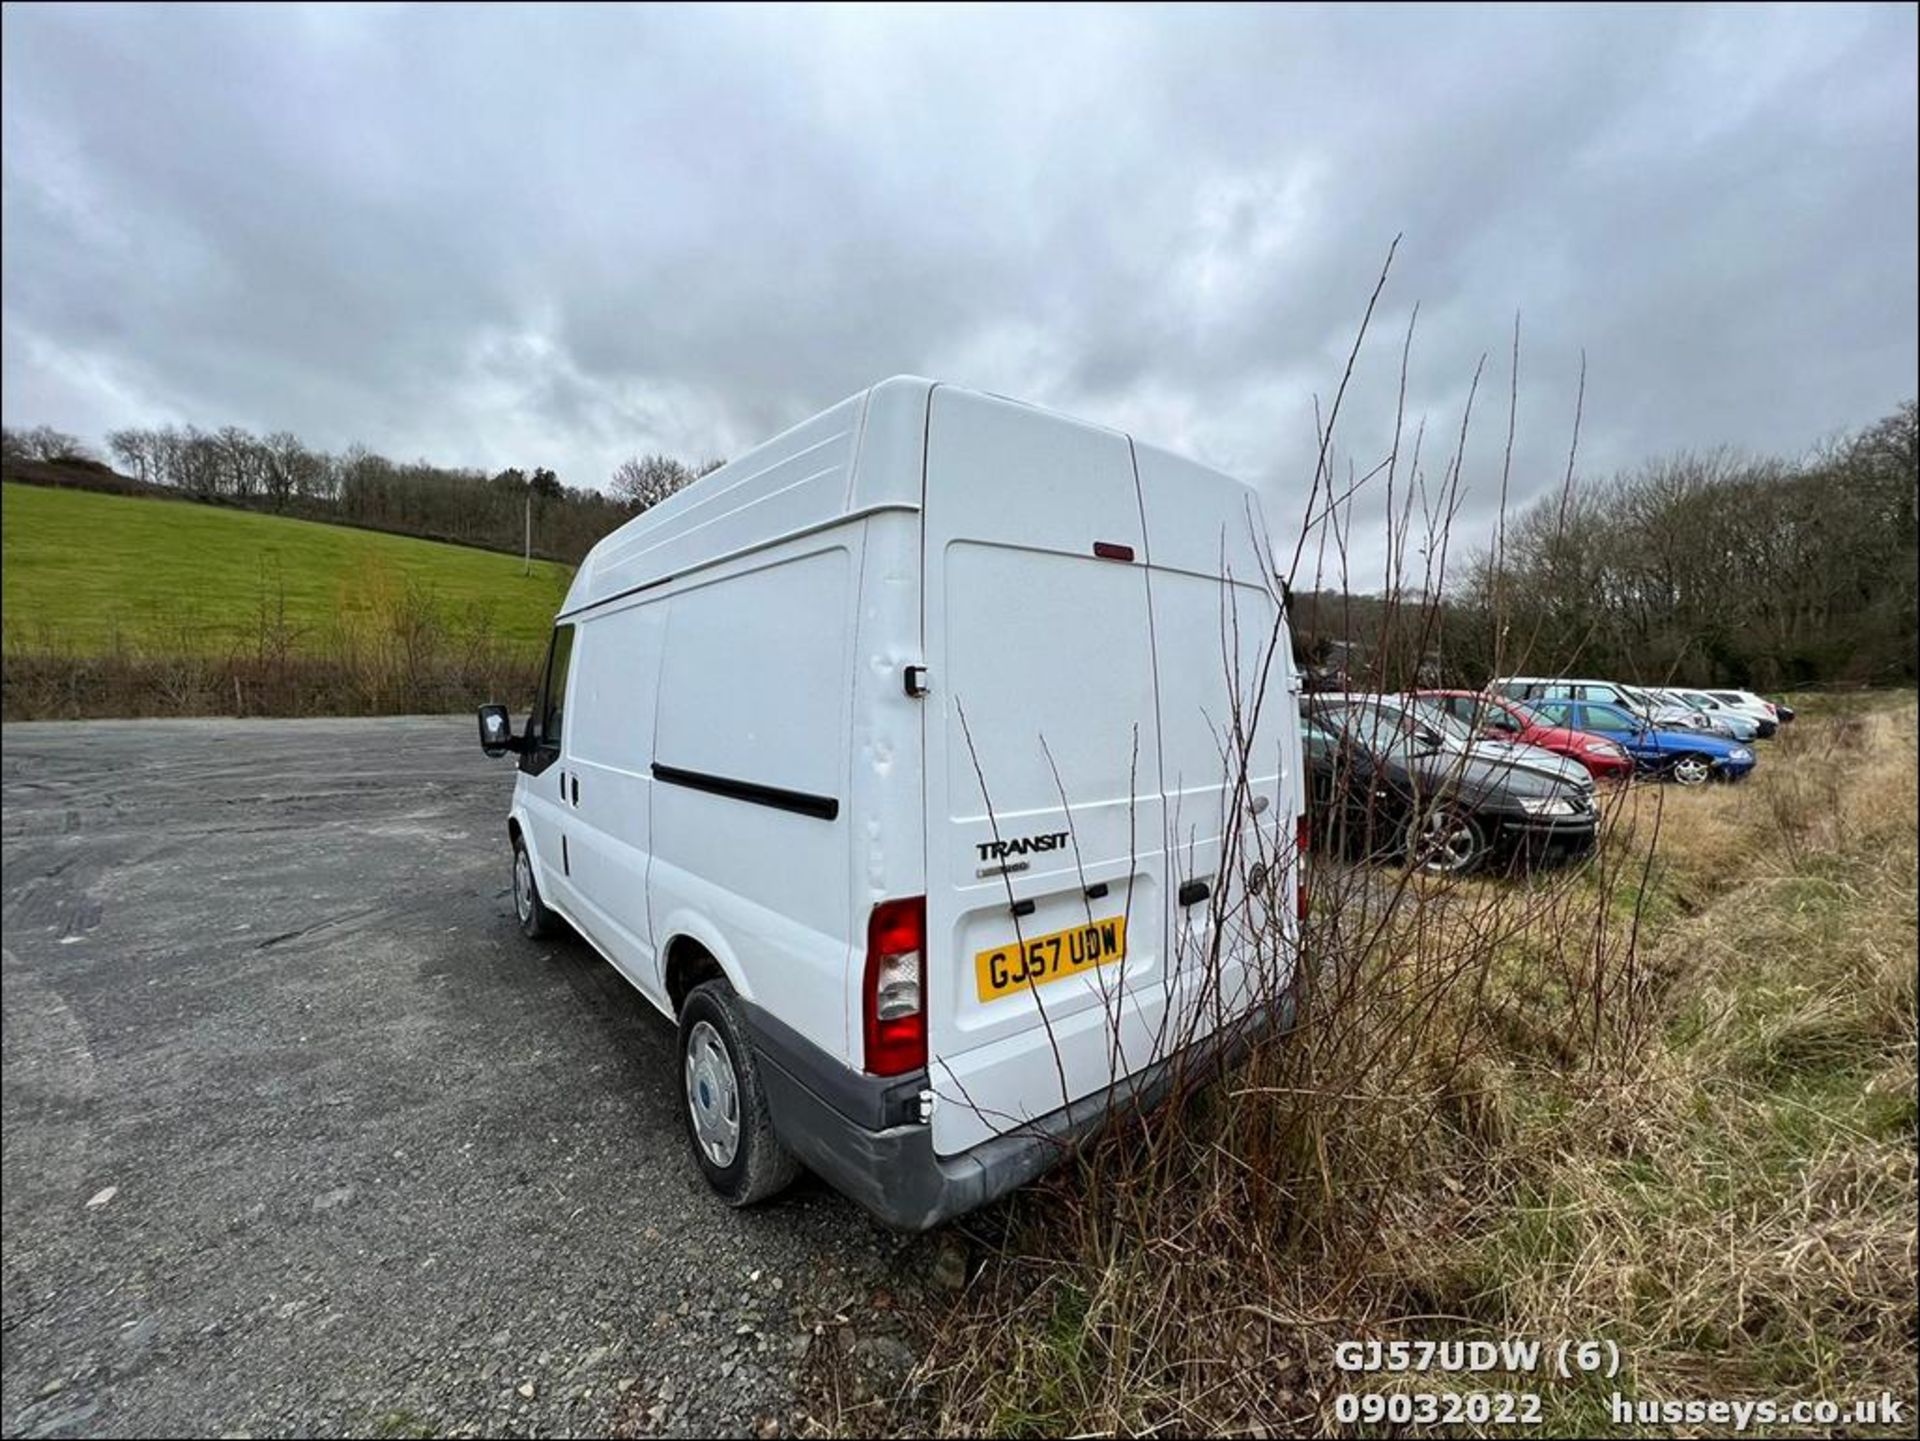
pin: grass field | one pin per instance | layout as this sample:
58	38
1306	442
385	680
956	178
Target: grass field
89	573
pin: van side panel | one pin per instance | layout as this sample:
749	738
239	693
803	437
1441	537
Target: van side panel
750	777
887	831
610	746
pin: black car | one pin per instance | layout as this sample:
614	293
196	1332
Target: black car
1392	776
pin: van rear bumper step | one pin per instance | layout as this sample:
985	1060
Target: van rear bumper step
892	1172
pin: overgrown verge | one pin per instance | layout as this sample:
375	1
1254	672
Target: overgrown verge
1665	1101
406	654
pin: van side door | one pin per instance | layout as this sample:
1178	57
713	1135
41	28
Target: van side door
544	791
609	747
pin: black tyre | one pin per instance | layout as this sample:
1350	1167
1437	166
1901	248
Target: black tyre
726	1108
1691	770
536	921
1444	840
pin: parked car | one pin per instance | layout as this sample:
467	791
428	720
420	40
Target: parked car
1738	723
1689	757
1423	711
1754	705
1388	780
851	747
1662	708
1655	712
1490	715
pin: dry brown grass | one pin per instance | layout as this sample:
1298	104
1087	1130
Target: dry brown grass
1666	1100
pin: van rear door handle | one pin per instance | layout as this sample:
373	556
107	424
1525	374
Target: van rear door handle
575	782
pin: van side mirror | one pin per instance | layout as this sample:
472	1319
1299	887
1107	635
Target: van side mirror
496	731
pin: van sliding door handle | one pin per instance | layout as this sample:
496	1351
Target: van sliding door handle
1194	892
574	781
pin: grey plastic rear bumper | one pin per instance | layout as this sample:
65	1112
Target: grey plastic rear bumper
862	1134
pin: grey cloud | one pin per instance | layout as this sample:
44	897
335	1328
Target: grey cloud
556	235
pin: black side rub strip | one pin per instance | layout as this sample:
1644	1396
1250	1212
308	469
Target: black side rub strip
824	808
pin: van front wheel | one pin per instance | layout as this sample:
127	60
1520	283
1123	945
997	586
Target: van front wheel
536	921
726	1109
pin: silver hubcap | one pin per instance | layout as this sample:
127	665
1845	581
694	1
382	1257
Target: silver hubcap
1690	772
713	1095
1444	842
522	885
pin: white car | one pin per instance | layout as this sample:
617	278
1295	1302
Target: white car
887	760
1724	719
1770	715
1664	708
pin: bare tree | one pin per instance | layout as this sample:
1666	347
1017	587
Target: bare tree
44	443
134	450
287	467
644	481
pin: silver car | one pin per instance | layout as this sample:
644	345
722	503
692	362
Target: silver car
1725	719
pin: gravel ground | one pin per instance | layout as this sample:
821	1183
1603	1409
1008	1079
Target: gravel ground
302	1136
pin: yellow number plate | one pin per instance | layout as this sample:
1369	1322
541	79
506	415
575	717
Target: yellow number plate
1013	967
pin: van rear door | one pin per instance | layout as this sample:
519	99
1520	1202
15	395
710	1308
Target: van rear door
1229	741
1046	872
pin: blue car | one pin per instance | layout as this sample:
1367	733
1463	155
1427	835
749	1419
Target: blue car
1689	757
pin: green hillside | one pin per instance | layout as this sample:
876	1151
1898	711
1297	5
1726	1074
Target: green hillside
82	570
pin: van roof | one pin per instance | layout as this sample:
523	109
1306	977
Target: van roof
802	479
856	458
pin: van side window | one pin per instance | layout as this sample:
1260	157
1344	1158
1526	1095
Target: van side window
553	693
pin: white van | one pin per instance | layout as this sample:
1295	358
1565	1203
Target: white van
936	766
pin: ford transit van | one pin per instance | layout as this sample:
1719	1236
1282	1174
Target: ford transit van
936	768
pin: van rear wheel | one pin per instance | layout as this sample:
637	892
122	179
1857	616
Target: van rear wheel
536	921
728	1124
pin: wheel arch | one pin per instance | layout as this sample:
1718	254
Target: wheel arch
519	833
693	953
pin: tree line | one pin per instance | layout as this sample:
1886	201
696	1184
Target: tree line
278	472
1710	568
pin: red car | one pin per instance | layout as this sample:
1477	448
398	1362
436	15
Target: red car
1497	717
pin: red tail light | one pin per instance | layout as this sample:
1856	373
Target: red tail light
1302	833
893	999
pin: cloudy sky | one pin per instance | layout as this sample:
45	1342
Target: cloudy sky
538	235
